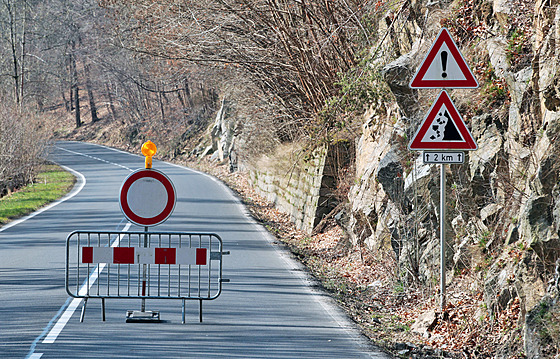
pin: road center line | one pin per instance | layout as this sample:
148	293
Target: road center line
95	158
70	306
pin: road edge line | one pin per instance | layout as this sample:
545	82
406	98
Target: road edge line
301	272
77	188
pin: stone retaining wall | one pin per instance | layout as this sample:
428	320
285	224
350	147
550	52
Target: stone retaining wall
295	189
304	188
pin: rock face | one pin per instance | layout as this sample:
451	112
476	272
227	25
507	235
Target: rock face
222	133
542	330
505	203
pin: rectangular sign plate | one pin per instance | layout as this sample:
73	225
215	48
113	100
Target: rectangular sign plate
443	157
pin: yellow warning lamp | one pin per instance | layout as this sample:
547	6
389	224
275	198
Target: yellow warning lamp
149	149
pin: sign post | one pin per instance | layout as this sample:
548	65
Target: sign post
147	198
442	279
443	129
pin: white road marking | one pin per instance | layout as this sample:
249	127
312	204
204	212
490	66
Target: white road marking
95	158
55	331
328	304
65	317
81	183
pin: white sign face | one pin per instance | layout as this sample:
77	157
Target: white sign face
444	67
443	157
443	128
147	197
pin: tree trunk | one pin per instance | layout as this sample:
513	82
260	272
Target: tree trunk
76	92
160	100
13	47
22	65
75	85
71	69
65	101
89	89
71	107
111	104
183	107
77	104
188	93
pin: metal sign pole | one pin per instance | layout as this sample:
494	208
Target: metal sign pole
143	315
144	267
442	234
437	71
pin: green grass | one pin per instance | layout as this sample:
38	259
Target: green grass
51	183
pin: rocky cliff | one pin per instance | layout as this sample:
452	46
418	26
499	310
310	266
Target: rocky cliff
503	205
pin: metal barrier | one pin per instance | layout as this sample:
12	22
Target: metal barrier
144	265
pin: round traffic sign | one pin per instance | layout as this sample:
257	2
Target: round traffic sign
147	197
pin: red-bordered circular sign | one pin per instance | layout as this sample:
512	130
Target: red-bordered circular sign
147	197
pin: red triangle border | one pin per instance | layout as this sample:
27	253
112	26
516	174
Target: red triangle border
444	37
468	143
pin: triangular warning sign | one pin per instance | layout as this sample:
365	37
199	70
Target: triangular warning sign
443	129
444	66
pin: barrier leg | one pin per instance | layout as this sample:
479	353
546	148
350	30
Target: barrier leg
83	311
183	312
200	310
103	308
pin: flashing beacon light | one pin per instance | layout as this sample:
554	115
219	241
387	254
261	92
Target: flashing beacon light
149	149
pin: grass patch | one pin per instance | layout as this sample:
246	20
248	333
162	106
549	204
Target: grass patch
51	183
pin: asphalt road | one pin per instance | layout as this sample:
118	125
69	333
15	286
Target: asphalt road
270	309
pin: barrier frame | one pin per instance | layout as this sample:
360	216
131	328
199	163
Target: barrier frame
101	276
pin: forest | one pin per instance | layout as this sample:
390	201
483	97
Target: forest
160	66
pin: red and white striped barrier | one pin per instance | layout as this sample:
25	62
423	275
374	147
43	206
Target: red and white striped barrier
139	255
192	266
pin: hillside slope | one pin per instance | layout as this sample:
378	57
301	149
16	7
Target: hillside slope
502	228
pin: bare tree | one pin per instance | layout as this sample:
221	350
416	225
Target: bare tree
15	26
293	50
23	144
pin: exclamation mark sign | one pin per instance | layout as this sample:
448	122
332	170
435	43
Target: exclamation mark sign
444	64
